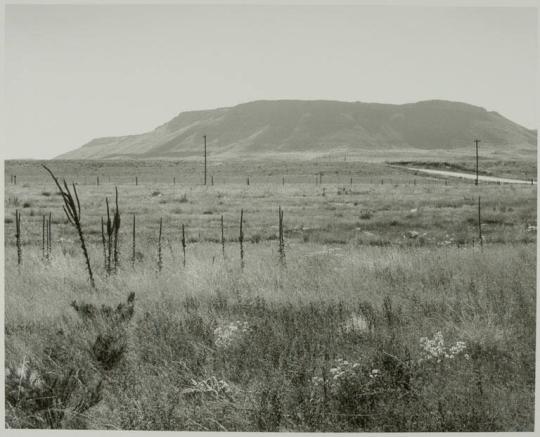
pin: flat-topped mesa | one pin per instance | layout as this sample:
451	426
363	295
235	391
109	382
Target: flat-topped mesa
311	127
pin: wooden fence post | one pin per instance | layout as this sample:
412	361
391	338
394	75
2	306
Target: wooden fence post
281	237
480	226
133	234
241	239
160	260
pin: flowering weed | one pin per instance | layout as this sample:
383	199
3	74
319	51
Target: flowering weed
230	334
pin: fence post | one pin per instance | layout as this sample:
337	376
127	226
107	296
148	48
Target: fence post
160	261
480	226
133	233
241	238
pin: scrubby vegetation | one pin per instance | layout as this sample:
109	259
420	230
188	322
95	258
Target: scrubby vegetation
401	325
372	339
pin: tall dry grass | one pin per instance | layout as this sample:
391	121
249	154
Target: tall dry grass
215	347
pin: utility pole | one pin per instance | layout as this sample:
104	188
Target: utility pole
204	136
476	143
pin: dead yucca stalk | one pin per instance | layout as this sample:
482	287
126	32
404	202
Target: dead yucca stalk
49	235
184	244
43	237
281	238
103	240
116	224
72	208
222	238
18	236
241	238
160	260
113	226
109	229
46	237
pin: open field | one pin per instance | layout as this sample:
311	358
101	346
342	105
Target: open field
343	336
381	206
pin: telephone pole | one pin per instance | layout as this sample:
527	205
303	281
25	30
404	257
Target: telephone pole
204	136
476	143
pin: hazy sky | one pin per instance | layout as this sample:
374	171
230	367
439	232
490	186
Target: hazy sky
73	73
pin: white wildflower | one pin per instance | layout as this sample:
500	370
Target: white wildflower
355	324
436	349
229	334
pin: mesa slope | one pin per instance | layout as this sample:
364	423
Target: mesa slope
307	129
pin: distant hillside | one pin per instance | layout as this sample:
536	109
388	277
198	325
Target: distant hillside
313	127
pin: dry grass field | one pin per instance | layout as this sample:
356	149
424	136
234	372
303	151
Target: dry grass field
386	314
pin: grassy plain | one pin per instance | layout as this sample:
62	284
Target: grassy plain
371	269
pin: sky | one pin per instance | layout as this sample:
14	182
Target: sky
74	73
